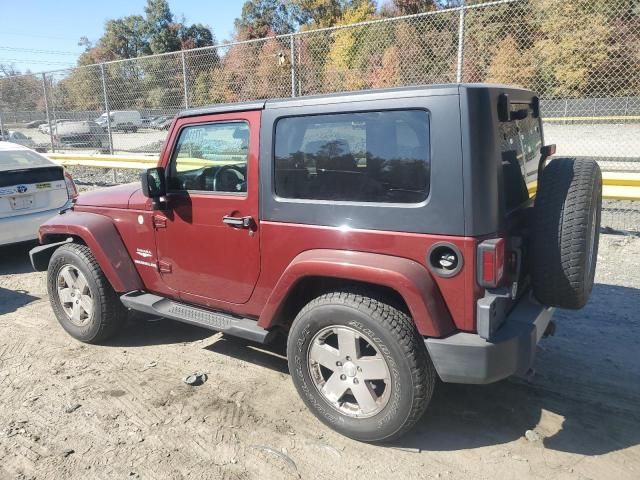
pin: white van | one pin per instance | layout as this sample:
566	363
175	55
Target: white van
121	120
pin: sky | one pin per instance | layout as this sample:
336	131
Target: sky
42	35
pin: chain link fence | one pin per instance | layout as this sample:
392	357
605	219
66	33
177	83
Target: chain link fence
581	56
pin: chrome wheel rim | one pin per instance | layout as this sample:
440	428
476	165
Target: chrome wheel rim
74	295
349	371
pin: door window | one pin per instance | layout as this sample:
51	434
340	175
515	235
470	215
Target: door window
211	158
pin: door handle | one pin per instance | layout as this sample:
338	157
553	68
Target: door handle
239	222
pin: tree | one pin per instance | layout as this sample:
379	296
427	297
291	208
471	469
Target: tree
126	37
511	65
319	13
341	69
574	45
260	18
196	36
411	7
19	92
159	25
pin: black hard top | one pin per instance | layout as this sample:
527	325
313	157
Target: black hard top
342	97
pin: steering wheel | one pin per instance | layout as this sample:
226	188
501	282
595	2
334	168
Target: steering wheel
227	173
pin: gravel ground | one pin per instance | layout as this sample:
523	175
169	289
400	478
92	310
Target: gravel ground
69	410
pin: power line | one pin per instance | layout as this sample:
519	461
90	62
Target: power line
35	50
34	35
43	62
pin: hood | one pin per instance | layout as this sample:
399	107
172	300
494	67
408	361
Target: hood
115	197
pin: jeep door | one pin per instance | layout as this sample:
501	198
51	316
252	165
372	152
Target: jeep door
207	235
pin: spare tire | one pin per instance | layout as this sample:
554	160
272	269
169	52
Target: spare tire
565	232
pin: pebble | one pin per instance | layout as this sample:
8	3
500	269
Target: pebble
532	436
72	408
67	451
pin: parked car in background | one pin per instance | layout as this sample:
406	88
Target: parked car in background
17	137
161	123
32	190
35	123
121	120
44	128
83	134
146	121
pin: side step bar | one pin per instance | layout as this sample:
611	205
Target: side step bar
164	307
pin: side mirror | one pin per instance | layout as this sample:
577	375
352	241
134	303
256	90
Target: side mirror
153	183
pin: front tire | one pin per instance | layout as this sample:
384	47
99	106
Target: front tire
360	365
82	298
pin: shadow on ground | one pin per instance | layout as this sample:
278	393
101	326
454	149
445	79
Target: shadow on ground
15	258
142	330
12	300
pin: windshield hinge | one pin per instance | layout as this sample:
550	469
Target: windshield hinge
164	267
159	221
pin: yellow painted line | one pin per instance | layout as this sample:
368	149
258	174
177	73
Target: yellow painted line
629	179
610	190
102	158
615	185
129	165
617	192
578	119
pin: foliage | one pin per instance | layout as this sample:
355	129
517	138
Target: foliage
560	48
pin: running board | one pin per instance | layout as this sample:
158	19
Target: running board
164	307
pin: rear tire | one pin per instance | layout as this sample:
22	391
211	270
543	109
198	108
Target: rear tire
566	232
82	298
379	391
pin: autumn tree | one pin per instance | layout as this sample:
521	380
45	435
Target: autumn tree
261	18
511	65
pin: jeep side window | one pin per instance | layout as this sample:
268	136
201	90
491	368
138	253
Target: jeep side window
210	157
379	156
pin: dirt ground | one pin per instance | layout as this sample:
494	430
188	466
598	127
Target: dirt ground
69	410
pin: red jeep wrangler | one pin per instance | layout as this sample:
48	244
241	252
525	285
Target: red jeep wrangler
390	235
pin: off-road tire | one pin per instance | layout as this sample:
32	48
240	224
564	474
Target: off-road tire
108	312
565	232
393	332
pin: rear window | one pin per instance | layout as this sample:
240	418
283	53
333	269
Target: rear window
14	159
378	156
521	141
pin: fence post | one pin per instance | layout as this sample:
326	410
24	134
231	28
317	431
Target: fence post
108	114
292	49
1	127
184	80
106	110
460	44
46	109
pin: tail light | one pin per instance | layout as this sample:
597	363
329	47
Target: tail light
491	262
72	191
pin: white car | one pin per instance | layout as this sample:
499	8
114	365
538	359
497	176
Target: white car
32	190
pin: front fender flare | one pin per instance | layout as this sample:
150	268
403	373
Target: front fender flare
99	233
407	277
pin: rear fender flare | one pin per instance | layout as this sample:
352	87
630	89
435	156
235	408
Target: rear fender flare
407	277
99	233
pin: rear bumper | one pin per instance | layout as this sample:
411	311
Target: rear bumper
468	358
21	228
